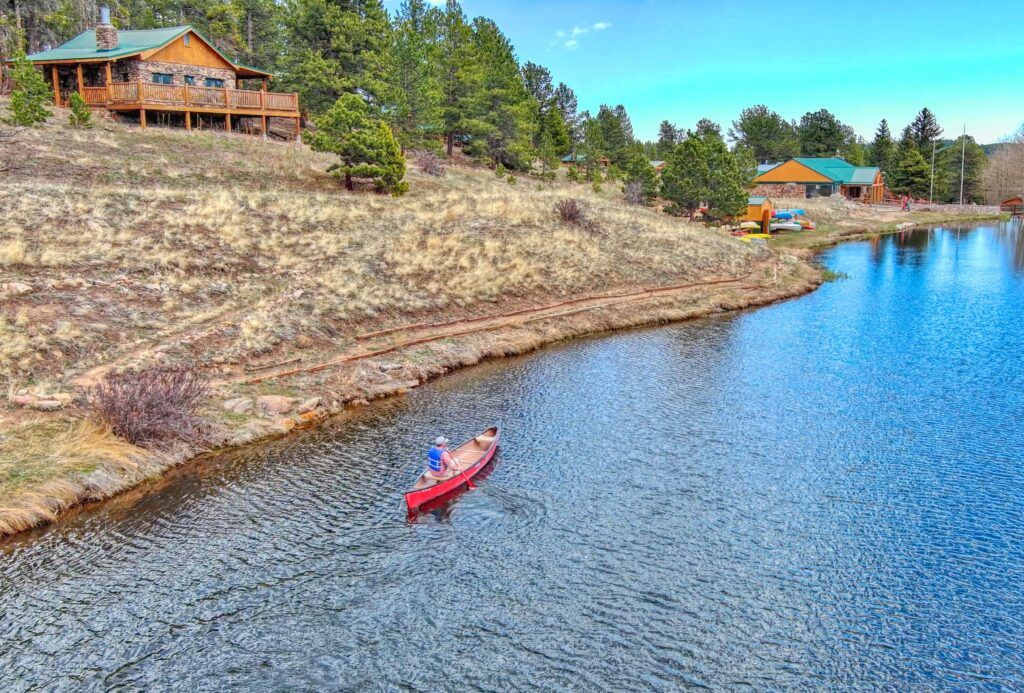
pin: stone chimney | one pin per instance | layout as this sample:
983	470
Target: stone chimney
106	34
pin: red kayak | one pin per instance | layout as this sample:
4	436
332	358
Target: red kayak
472	456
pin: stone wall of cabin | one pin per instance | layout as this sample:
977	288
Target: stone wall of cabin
777	190
143	70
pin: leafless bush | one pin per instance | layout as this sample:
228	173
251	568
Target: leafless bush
428	162
634	192
571	212
153	407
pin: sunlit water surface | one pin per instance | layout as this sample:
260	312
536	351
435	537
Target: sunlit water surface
824	493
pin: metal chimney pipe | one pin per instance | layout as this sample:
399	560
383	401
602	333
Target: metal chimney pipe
104	14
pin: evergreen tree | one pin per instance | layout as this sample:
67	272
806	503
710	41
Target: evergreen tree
974	162
685	178
366	146
508	111
554	141
668	137
414	90
565	101
923	129
708	128
639	175
912	173
614	136
30	95
701	169
335	47
460	75
766	134
821	134
81	115
883	149
538	83
625	123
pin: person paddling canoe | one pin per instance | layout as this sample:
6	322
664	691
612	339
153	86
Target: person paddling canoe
442	464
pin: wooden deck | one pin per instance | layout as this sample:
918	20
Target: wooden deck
144	96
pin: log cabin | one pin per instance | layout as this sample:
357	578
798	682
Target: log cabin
174	72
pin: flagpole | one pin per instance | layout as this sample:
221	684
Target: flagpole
963	152
931	184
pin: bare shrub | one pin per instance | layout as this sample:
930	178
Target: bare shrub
153	407
634	192
428	162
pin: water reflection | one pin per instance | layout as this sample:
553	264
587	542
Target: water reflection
826	493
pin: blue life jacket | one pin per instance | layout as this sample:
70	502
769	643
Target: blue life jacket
435	458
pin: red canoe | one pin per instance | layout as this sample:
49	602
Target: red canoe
472	456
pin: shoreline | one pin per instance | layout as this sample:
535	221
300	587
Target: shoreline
788	273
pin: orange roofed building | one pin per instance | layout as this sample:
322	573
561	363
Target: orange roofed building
814	177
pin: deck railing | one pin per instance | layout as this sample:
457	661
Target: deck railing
218	98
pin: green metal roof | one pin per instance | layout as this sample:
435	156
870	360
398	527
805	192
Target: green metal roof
130	42
83	46
840	171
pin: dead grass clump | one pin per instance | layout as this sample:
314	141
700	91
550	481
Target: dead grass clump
153	407
428	162
571	212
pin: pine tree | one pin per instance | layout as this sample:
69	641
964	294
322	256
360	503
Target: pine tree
821	134
912	173
625	123
639	176
668	137
414	90
366	146
30	95
767	135
336	47
80	116
508	111
460	75
883	149
553	141
614	136
684	180
974	162
565	100
538	82
923	129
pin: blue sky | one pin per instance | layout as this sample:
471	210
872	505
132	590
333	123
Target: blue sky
861	60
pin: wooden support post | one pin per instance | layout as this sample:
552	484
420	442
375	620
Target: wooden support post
110	77
264	126
227	122
56	86
81	81
188	122
298	128
142	118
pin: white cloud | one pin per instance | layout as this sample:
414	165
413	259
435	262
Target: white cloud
570	44
576	31
559	33
601	26
568	38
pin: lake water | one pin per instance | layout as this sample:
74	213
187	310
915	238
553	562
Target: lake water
825	493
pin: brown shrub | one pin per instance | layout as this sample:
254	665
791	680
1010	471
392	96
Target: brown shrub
428	162
153	407
571	212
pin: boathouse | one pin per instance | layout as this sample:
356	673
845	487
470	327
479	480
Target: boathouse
1013	205
759	209
174	72
814	177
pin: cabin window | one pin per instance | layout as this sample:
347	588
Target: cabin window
184	39
214	82
190	80
162	78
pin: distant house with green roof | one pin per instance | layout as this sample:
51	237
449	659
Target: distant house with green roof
813	177
175	71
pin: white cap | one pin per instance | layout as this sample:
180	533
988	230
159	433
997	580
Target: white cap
441	440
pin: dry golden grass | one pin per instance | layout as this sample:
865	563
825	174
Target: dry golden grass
131	237
45	467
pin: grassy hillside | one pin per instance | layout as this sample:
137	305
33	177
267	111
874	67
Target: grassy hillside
121	248
131	237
